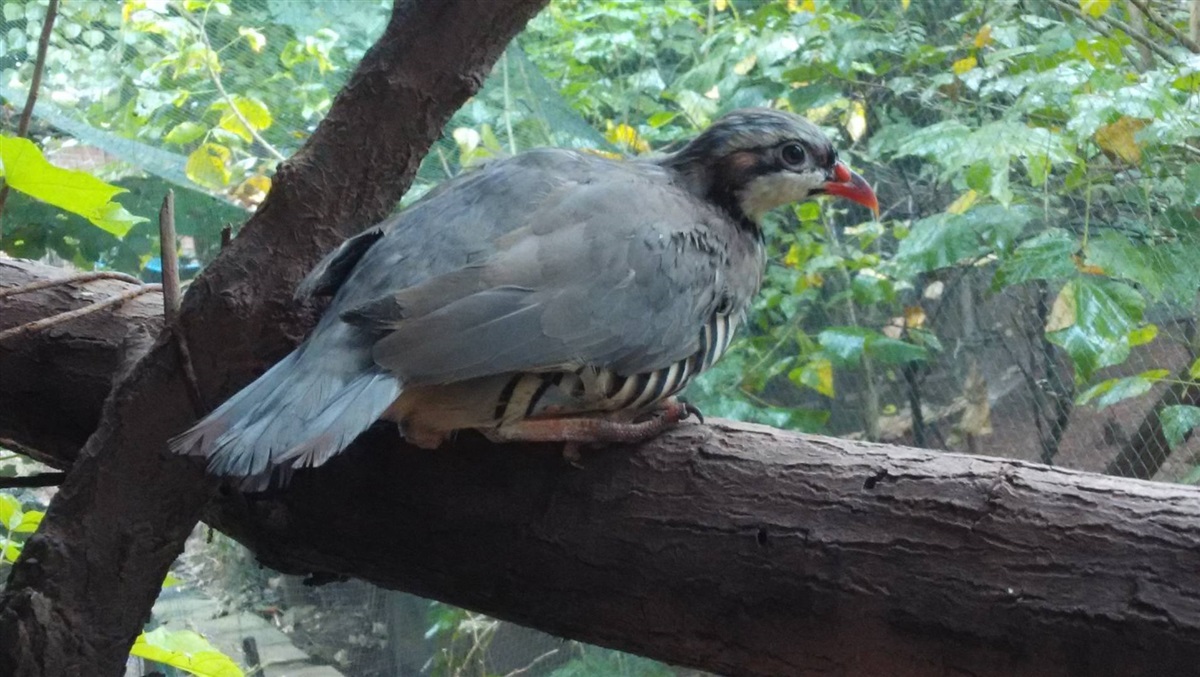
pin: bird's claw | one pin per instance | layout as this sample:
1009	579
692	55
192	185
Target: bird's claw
689	410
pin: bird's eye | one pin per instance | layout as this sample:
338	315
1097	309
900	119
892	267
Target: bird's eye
792	154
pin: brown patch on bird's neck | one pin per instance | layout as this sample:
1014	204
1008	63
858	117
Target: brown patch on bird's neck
729	176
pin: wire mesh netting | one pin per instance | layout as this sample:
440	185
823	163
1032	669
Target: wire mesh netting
1029	291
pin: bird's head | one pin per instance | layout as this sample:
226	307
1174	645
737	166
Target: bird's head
756	159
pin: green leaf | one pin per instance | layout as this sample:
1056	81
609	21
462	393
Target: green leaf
817	374
1045	257
1095	330
12	551
894	351
847	345
29	523
1177	421
1116	389
944	240
25	169
116	219
185	650
660	118
171	580
184	133
844	344
1166	270
1194	370
1143	335
10	511
1095	8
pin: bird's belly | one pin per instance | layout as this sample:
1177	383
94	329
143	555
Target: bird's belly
428	414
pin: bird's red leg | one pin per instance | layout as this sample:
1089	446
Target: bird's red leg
593	429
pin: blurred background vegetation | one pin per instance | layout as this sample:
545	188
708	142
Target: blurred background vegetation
1029	290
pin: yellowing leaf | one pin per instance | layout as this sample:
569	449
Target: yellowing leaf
809	6
821	112
856	120
904	4
208	165
963	203
185	650
25	169
1194	370
1118	138
816	374
792	258
602	153
253	111
1094	8
256	39
1087	268
10	512
720	5
962	66
984	37
745	65
1143	335
627	137
467	139
1062	313
914	317
253	190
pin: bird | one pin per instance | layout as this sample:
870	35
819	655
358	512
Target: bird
550	296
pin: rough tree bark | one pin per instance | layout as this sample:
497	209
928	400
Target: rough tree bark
86	581
740	549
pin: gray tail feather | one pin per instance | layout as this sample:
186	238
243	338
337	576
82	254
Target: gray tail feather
297	414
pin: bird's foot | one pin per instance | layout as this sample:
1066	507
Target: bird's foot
595	429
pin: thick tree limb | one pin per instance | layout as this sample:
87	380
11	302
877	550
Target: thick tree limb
86	581
750	551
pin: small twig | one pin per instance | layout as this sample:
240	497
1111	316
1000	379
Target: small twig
253	661
1158	20
35	83
171	298
1118	24
41	479
70	279
535	661
1137	21
39	65
1194	21
170	259
44	323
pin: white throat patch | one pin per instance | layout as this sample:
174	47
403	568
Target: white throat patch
769	191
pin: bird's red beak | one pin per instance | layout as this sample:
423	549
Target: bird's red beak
850	185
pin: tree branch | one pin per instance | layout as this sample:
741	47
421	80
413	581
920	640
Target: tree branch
1158	20
749	551
1119	25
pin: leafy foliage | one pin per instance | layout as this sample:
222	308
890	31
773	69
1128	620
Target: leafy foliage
185	650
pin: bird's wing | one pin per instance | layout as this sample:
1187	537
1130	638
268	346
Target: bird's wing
620	274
